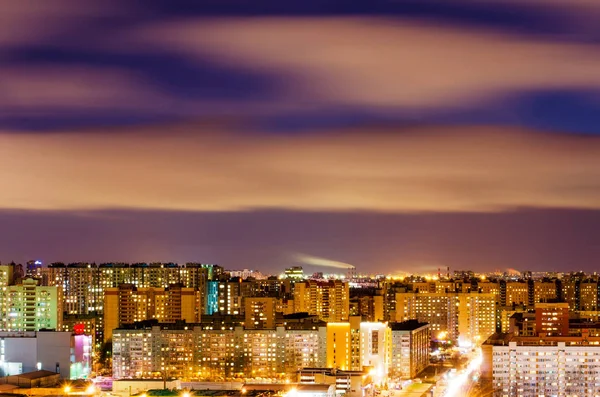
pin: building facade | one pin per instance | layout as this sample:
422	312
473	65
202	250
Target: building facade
409	349
535	366
55	351
330	300
30	307
128	304
214	352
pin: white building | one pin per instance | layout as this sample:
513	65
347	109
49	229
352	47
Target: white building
375	340
60	352
536	366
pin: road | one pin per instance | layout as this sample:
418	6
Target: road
460	383
413	390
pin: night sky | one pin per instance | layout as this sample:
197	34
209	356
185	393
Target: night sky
397	136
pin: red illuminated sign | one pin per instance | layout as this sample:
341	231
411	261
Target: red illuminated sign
79	329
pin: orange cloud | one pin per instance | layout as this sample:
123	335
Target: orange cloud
435	169
74	87
383	62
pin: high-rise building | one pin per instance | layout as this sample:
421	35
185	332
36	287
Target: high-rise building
439	310
6	279
79	284
517	293
260	313
83	284
128	304
476	317
369	307
343	345
33	269
542	365
552	319
212	351
544	291
29	307
409	349
330	300
375	346
294	273
588	295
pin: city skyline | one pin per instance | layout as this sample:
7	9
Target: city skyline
394	136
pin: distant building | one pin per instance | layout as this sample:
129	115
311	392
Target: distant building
330	300
552	319
246	273
6	279
260	313
294	273
439	310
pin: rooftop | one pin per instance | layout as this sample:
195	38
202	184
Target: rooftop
409	325
36	374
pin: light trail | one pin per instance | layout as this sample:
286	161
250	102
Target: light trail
455	385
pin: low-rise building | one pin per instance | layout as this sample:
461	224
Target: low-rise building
347	383
59	352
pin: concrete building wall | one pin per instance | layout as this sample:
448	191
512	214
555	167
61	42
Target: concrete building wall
52	350
55	348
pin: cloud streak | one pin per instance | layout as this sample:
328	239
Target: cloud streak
383	62
206	168
322	262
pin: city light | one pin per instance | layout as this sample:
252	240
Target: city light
292	392
457	383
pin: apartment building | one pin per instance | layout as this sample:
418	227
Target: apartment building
409	349
476	317
30	307
439	310
375	346
259	313
542	365
128	304
212	352
330	300
517	293
544	291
